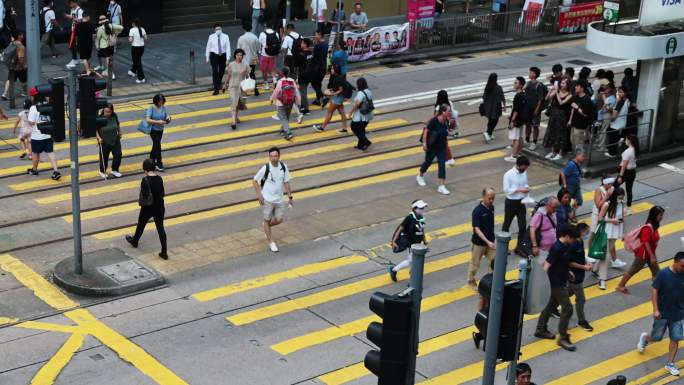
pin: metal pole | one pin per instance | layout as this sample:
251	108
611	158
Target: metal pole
110	75
32	42
495	304
75	193
524	268
339	16
418	252
288	11
193	79
12	94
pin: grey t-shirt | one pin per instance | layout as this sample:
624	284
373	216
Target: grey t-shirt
358	19
360	97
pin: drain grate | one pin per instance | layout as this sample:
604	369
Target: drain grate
578	62
441	60
127	271
465	56
542	55
394	65
417	63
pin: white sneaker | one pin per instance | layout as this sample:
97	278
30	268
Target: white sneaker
533	146
300	118
492	136
71	64
113	76
617	263
641	345
670	367
421	181
487	137
550	155
628	211
590	260
266	86
98	68
509	147
275	117
443	190
131	73
140	81
557	157
602	284
102	175
273	247
510	159
116	174
451	162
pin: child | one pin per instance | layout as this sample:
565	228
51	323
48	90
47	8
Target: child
24	131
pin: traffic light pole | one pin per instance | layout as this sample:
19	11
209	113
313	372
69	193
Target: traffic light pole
75	192
32	41
524	271
418	252
495	305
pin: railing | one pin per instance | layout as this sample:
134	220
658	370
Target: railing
639	123
488	28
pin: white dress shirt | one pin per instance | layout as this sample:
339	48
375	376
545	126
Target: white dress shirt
218	44
514	180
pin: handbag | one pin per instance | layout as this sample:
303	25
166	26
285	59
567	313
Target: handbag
144	126
482	110
600	243
146	200
248	85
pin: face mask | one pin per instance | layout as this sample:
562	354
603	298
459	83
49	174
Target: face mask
585	237
218	31
420	212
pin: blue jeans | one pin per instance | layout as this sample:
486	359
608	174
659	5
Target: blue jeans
674	327
430	154
255	19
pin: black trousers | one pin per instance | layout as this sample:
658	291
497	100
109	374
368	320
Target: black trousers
628	178
514	208
115	151
491	125
317	84
430	155
359	129
74	51
156	152
152	212
136	56
218	69
612	141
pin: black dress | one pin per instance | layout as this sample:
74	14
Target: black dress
84	35
557	130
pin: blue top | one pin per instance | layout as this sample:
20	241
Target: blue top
603	112
155	114
576	252
340	59
670	286
572	173
563	215
559	258
483	217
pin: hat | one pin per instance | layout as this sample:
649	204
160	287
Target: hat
609	181
419	204
103	19
33	91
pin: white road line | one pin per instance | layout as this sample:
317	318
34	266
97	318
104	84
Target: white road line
672	168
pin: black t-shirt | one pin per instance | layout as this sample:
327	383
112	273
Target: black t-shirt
532	94
585	104
336	82
576	251
559	258
519	106
156	184
84	33
413	228
483	217
435	127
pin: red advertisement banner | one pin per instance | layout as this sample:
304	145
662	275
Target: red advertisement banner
576	17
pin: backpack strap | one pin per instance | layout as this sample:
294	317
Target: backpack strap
282	167
268	171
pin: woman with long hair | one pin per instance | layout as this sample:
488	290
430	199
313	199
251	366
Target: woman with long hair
361	113
106	41
335	93
493	105
646	254
628	167
613	213
559	113
452	116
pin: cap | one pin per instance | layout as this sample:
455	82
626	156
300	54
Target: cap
419	204
103	19
609	181
33	91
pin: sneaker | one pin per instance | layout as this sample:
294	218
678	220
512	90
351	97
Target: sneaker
451	162
443	190
641	345
113	77
590	260
556	157
132	241
31	171
116	174
546	335
391	272
421	181
102	175
608	155
602	284
455	135
670	367
492	136
618	263
140	81
273	247
275	117
289	136
131	73
628	211
266	86
300	118
566	344
318	128
510	159
305	112
159	168
342	130
98	68
555	314
56	175
486	137
585	325
4	97
72	63
509	147
22	156
533	146
550	155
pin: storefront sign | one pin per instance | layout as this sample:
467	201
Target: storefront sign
377	41
611	12
533	10
660	11
420	10
577	17
640	47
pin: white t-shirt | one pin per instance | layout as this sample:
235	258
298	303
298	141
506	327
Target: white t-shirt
256	4
76	15
621	120
34	118
273	189
630	156
289	40
360	98
138	41
319	6
48	17
262	40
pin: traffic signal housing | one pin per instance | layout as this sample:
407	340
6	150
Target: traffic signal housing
394	339
52	108
510	316
90	105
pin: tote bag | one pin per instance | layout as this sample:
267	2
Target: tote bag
143	126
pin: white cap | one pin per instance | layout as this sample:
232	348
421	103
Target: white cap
609	181
419	204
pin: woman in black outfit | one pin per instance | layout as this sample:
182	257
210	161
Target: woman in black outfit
151	208
493	105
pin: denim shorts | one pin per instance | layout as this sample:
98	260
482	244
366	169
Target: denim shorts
337	99
674	327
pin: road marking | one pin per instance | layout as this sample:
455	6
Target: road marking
247	184
223	168
37	284
658	373
672	168
7	320
48	373
48	327
297	272
368	181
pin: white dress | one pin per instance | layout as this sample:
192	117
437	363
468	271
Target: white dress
615	231
595	210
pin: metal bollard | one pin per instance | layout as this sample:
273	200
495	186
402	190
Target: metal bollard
193	79
110	70
12	98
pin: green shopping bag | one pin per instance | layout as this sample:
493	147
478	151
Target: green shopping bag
600	243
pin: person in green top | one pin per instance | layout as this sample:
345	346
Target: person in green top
109	141
105	38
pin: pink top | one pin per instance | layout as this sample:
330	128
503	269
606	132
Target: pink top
548	230
279	87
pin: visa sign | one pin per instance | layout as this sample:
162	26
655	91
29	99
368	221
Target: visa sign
660	11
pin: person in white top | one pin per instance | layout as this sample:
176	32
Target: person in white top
613	213
24	130
291	45
516	187
318	8
114	13
258	7
270	48
249	43
137	37
75	15
216	54
49	21
628	166
40	142
270	183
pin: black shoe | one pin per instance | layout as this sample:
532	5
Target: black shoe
555	314
289	136
56	175
316	103
364	148
215	92
31	171
318	128
547	335
132	241
585	325
256	92
233	126
391	272
477	338
159	167
163	255
305	112
566	344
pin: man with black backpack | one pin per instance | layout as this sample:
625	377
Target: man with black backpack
410	231
270	48
48	24
286	95
291	47
270	183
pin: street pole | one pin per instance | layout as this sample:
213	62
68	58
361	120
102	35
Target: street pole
110	75
418	252
32	42
288	11
75	193
495	305
524	271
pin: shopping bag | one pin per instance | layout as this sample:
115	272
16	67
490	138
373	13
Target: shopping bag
599	244
538	287
248	85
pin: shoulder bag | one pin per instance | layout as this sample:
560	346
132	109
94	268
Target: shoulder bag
144	126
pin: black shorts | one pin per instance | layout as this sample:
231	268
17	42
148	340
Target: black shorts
38	146
105	52
85	52
18	75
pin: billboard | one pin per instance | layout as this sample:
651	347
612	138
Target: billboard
660	11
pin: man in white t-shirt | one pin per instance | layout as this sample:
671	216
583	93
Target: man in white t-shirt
75	15
258	7
270	48
40	142
50	22
318	8
291	46
270	183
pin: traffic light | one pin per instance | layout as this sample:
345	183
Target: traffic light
510	315
53	109
394	338
90	105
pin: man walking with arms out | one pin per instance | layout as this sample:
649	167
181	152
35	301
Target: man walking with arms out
270	183
668	312
483	234
516	187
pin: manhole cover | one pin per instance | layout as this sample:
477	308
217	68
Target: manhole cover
542	55
579	62
465	57
125	272
394	65
441	60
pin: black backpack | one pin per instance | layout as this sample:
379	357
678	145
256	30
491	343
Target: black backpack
272	44
268	171
296	45
367	105
41	21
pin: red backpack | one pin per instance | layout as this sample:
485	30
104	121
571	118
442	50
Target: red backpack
288	93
